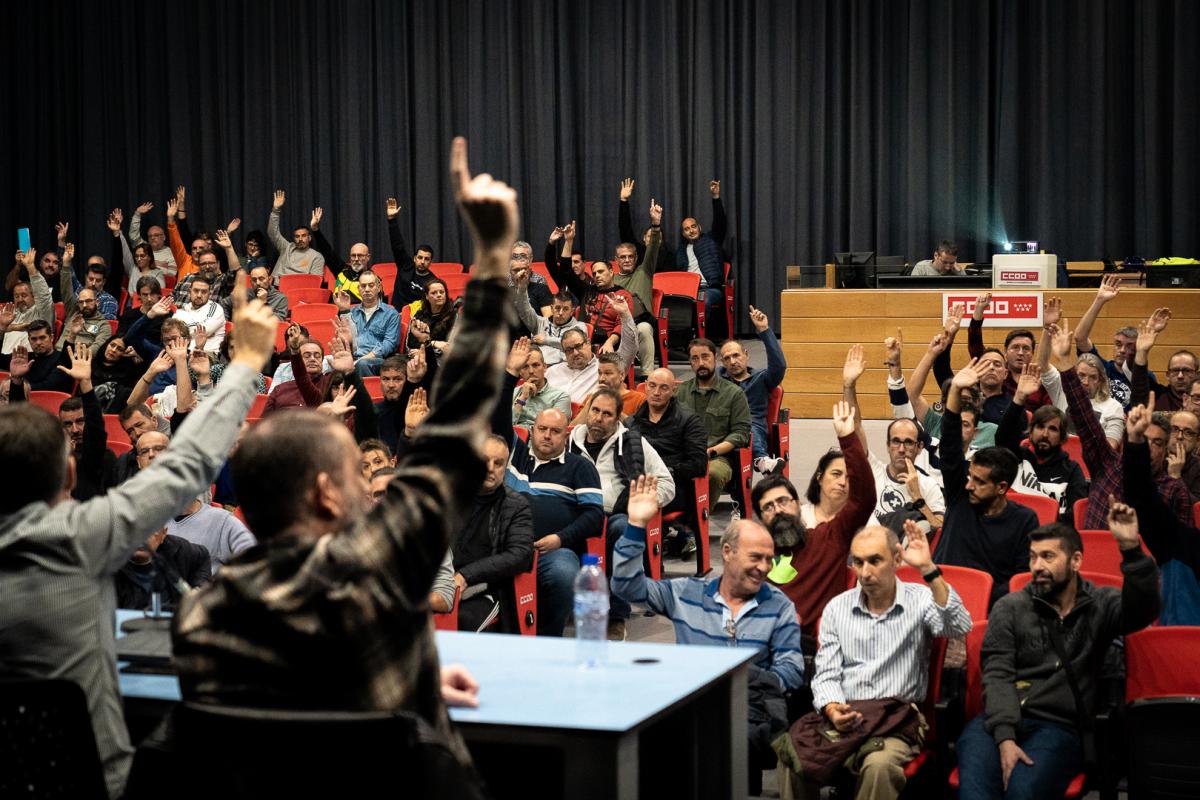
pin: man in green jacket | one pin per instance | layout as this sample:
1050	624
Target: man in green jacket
724	409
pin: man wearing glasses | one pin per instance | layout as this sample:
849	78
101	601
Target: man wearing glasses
1183	449
1182	368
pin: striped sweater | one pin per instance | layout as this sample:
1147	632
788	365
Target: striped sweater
701	617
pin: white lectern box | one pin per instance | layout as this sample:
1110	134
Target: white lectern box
1024	271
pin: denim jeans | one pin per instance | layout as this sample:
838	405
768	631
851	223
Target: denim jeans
616	529
758	443
368	366
1054	749
556	573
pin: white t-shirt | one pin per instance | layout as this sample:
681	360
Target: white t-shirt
892	494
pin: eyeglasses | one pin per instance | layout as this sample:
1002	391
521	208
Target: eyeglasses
1157	442
1184	433
154	448
521	257
779	504
1181	370
894	442
574	348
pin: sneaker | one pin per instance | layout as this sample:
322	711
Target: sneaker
689	548
769	466
616	629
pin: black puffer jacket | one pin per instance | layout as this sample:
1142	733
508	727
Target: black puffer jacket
506	519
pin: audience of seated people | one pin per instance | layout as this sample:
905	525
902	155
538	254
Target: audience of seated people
357	523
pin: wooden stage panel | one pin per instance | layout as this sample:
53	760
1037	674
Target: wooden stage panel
819	325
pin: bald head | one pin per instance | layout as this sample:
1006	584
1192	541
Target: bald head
360	256
548	436
660	388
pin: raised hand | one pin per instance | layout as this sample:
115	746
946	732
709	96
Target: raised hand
221	237
655	213
172	209
488	206
1138	421
393	208
75	325
181	197
626	189
7	315
416	367
315	219
1051	311
916	548
618	304
416	410
855	366
161	363
342	399
518	354
643	500
569	231
177	352
954	319
714	189
1159	319
967	376
68	253
199	363
28	259
200	337
1123	522
911	479
61	229
18	366
1110	287
556	235
341	329
161	308
982	302
233	225
759	320
144	208
341	299
1029	382
340	356
843	418
278	199
1061	339
893	346
1176	458
1147	336
255	326
115	217
81	366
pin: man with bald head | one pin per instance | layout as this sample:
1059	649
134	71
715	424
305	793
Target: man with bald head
262	289
678	435
872	665
739	608
358	260
701	253
564	493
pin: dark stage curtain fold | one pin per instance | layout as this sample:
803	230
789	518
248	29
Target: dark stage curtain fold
836	125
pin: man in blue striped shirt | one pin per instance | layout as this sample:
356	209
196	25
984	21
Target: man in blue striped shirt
739	609
874	645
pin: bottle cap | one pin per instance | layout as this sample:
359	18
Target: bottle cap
591	560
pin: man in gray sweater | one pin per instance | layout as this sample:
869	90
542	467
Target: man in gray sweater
58	557
296	257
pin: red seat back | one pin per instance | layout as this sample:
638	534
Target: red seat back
120	446
256	408
310	312
374	385
1073	447
289	282
525	593
296	297
1161	662
49	400
1046	508
1101	553
444	268
973	586
1079	512
974	670
449	620
386	271
112	427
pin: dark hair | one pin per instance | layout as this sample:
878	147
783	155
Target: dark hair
98	268
174	324
767	484
33	449
143	246
700	341
1161	419
128	411
38	325
1072	542
976	395
203	277
302	228
609	358
576	332
917	425
995	350
604	391
1000	463
1047	413
149	283
813	494
395	362
70	404
563	296
367	445
948	247
427	248
1018	334
972	409
277	464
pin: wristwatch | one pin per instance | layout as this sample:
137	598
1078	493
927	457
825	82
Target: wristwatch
918	504
933	576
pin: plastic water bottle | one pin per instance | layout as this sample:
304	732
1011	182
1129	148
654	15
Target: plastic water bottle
591	613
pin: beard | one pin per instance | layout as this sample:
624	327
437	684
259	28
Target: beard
787	532
1051	591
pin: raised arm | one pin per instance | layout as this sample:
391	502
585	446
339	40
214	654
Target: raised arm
1140	384
915	386
720	223
625	219
975	346
1096	449
950	449
1110	287
629	581
320	243
852	370
859	477
273	233
776	363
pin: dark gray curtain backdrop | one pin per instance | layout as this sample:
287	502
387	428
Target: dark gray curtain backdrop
837	125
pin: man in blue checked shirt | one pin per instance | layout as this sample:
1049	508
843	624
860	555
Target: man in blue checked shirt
738	609
874	645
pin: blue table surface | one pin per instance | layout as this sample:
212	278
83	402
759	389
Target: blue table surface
534	681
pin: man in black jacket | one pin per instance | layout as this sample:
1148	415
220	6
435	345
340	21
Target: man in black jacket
156	566
412	272
1045	468
679	437
494	546
1043	648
